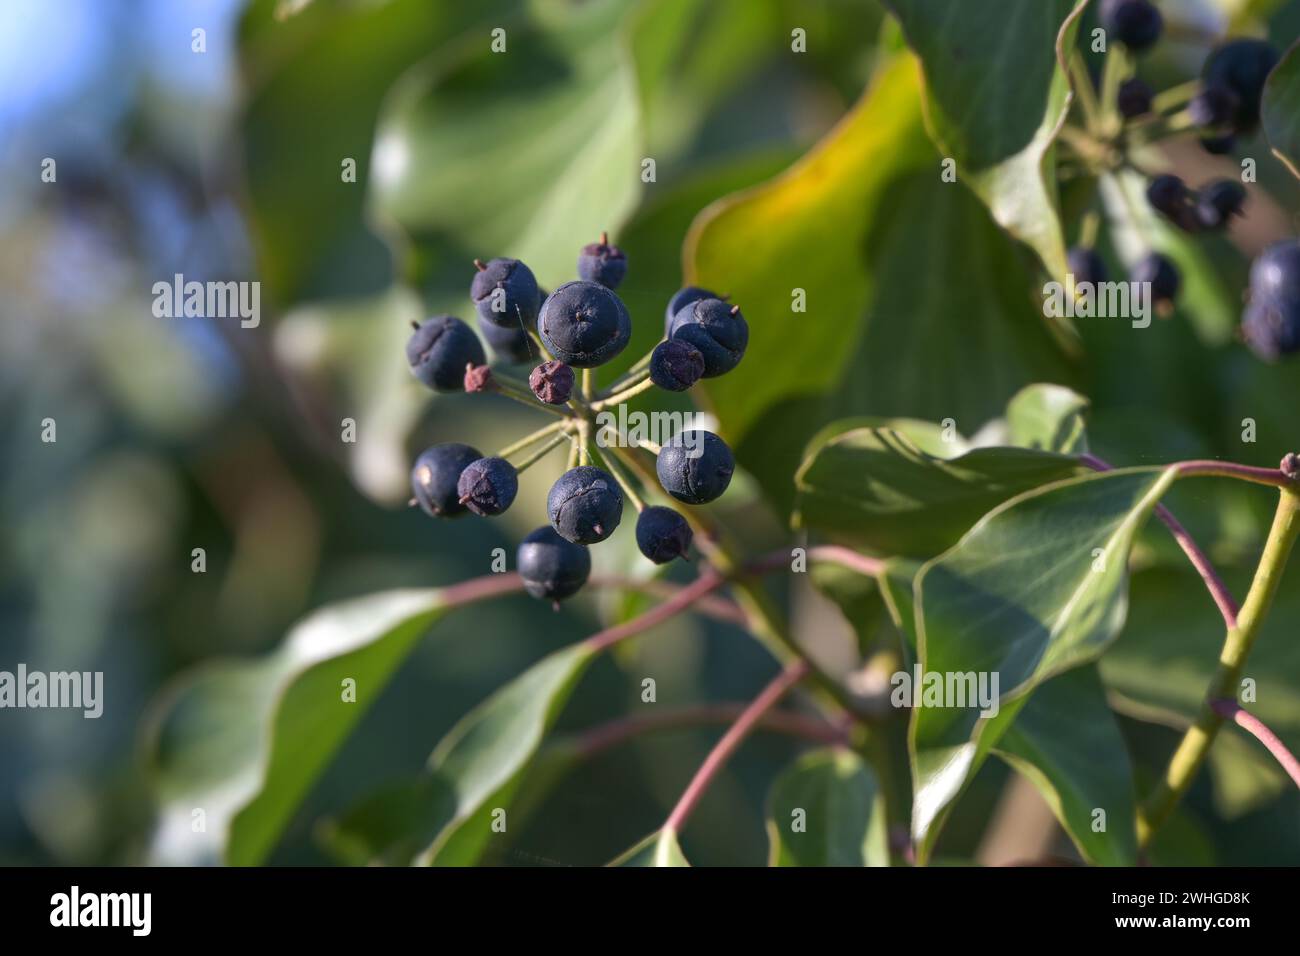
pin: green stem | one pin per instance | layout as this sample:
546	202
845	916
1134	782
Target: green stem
588	386
620	397
542	452
632	376
1083	88
1195	745
1117	69
562	424
522	394
1175	97
615	469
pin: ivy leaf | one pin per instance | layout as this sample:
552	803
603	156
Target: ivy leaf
658	849
874	488
1281	109
483	757
1067	742
552	128
1038	587
841	805
245	741
996	97
1050	418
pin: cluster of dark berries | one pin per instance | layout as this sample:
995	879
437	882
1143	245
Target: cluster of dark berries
1224	103
581	325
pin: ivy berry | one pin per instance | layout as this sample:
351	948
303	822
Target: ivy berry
695	467
584	324
439	350
1271	323
1240	68
585	505
602	262
552	569
676	366
681	299
1133	98
717	329
436	475
662	534
1218	202
488	486
505	293
1162	275
1135	23
1086	265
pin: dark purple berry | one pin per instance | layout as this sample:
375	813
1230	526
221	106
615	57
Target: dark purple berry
551	382
488	486
584	324
1218	202
552	569
1271	323
505	293
717	329
603	263
1219	145
683	298
512	345
695	467
1167	194
440	349
1242	66
662	534
1133	98
436	475
1162	275
585	505
1086	265
1214	106
1135	23
676	366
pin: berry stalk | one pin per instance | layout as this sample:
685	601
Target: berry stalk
1196	742
563	424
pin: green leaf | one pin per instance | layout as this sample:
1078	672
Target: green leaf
530	153
245	741
658	849
1281	109
857	597
874	488
1135	229
1067	742
1050	418
483	757
836	801
389	826
1038	587
996	97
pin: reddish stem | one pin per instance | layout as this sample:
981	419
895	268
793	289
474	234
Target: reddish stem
1227	469
1227	604
611	734
722	751
707	582
1231	710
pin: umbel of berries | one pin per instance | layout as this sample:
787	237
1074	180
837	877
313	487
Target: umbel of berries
585	505
439	350
584	324
505	293
1271	323
551	567
695	467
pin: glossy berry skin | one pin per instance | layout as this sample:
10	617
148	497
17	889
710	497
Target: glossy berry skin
1271	323
508	344
717	329
438	351
1135	23
676	366
682	298
584	324
603	263
552	568
1214	106
1218	202
1242	66
488	486
1163	276
695	467
662	534
516	308
585	505
436	475
551	382
1086	265
1133	98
